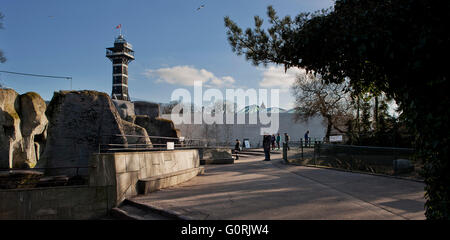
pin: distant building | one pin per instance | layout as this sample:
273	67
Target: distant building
226	134
120	55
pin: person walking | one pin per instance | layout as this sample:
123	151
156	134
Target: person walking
286	140
266	146
278	140
306	138
272	141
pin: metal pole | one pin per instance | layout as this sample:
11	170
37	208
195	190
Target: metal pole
301	144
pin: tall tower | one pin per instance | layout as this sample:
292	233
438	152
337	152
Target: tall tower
120	55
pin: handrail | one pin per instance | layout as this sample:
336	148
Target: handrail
179	143
109	52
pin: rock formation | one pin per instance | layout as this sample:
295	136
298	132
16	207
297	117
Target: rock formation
146	108
22	128
81	123
146	115
158	127
62	135
125	109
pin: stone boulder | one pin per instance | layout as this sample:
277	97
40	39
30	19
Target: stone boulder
146	115
158	127
81	123
125	109
22	128
136	135
33	127
146	108
10	135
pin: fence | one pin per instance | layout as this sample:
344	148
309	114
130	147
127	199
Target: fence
383	160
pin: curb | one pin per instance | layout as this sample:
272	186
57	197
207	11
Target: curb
158	210
120	214
350	171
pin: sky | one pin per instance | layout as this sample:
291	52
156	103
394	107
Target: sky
174	45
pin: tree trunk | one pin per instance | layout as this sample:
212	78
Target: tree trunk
357	120
329	126
375	114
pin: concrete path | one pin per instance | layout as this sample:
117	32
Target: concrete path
255	189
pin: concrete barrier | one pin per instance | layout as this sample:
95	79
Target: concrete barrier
159	168
112	178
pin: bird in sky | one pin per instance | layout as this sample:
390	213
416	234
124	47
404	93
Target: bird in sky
202	6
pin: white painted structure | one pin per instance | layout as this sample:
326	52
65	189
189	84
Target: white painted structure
228	133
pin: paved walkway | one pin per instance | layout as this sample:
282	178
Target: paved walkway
255	189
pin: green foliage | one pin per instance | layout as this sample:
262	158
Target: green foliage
396	47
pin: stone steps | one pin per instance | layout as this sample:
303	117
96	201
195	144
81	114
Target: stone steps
130	210
217	161
248	153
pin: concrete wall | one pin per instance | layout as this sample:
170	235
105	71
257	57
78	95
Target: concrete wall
124	170
112	178
74	202
228	133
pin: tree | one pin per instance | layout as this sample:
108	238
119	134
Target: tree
2	58
397	47
313	97
366	122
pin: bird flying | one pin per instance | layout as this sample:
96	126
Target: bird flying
202	6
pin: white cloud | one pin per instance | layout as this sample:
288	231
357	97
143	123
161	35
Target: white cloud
186	75
275	77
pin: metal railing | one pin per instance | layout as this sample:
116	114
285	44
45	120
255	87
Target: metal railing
382	160
310	143
111	53
115	143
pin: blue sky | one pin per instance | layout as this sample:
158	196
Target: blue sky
172	42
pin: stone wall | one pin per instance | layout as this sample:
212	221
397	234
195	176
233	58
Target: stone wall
74	202
124	170
112	178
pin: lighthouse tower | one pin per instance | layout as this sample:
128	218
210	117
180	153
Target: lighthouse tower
120	55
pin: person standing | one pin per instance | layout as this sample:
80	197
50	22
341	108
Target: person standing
237	146
272	141
306	138
286	140
266	146
278	140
